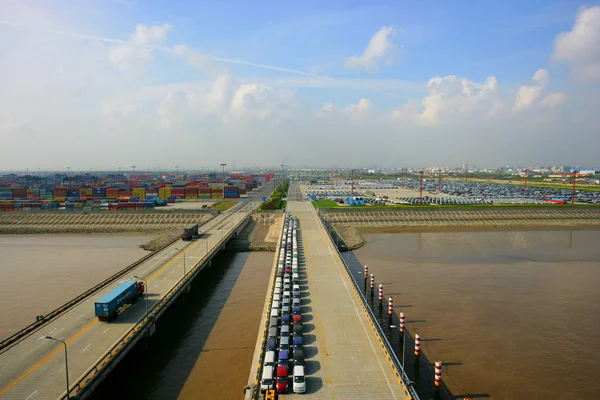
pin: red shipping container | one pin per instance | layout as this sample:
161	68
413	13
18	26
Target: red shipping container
204	190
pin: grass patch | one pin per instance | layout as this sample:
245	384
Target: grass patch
327	204
224	205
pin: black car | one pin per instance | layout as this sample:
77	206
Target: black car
298	357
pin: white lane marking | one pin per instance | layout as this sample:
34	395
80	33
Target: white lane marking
81	316
52	331
106	330
156	286
165	278
62	329
61	369
86	347
31	395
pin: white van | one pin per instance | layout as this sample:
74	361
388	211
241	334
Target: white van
275	304
267	382
275	312
277	296
270	360
299	379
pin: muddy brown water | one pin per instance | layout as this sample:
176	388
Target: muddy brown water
512	314
39	273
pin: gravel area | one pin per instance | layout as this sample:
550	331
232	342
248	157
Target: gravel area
259	235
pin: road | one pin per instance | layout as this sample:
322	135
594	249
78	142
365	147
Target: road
35	368
344	357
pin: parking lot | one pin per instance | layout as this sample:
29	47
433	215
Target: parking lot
452	193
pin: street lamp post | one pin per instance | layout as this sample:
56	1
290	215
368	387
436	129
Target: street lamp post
66	361
223	176
145	291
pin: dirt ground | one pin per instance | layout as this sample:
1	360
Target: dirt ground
188	205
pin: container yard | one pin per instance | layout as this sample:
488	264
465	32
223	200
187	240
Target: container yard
119	192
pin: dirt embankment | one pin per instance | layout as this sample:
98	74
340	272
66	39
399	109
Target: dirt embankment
260	234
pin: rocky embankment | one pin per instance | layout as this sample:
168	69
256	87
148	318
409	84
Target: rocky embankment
350	236
260	234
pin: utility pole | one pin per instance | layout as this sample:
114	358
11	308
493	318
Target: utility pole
223	166
440	181
352	183
574	183
421	188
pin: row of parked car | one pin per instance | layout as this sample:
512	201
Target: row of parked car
285	345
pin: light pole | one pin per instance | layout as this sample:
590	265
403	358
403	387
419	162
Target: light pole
66	361
145	291
223	165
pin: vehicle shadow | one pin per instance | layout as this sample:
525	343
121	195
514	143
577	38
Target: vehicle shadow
311	367
313	384
309	339
307	328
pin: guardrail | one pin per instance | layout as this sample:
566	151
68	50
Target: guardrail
53	314
133	334
257	379
397	365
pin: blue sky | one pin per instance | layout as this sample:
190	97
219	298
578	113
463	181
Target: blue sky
480	72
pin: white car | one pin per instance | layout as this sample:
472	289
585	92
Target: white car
299	379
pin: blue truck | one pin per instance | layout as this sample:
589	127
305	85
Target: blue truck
107	308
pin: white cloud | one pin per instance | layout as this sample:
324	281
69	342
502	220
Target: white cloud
363	106
554	99
11	126
137	51
454	100
528	95
380	47
181	106
452	96
260	102
581	45
327	107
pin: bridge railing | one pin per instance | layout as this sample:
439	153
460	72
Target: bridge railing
391	355
53	314
133	334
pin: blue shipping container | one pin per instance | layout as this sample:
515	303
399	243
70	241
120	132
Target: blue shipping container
107	306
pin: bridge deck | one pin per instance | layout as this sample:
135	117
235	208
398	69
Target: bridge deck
345	359
34	369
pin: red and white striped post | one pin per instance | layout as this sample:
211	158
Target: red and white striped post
417	345
372	281
390	307
366	272
380	293
402	323
438	374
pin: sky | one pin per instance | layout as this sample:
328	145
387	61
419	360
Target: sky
103	84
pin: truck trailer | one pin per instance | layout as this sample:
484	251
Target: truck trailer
189	232
107	308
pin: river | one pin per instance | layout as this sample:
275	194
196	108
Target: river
512	314
39	273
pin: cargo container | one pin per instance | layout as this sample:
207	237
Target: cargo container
165	193
140	193
112	193
19	193
108	307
